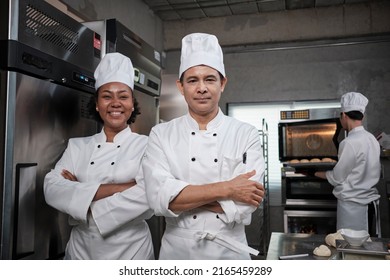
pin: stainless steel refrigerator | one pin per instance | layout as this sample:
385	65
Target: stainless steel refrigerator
46	79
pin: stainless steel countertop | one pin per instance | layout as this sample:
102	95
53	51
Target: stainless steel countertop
283	244
286	244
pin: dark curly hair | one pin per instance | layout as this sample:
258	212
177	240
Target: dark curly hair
95	114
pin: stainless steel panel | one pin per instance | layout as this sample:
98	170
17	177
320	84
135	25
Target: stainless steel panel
38	24
318	114
311	202
40	110
45	116
289	244
146	60
149	116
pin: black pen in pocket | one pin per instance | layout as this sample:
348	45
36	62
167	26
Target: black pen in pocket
244	158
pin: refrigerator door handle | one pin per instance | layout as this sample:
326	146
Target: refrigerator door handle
24	210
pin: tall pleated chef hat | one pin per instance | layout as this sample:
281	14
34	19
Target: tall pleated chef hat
201	49
114	67
353	101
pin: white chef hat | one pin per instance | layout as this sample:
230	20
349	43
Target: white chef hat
201	49
353	101
114	67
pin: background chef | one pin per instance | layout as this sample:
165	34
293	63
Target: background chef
357	170
99	182
203	170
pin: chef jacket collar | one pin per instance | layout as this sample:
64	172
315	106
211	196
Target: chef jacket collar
119	138
212	125
356	129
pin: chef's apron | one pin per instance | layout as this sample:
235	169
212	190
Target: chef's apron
353	215
206	243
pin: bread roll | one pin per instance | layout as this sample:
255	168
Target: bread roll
322	251
330	239
315	160
327	160
304	160
294	161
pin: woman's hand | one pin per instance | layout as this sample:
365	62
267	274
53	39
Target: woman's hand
213	207
106	190
68	175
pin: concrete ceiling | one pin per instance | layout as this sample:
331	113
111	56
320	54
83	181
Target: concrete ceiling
193	9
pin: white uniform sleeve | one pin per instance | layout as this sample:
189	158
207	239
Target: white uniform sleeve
344	166
240	212
72	198
115	211
161	186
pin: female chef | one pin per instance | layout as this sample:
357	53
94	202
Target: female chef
357	170
203	170
98	181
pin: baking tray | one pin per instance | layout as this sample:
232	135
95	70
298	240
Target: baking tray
368	248
312	166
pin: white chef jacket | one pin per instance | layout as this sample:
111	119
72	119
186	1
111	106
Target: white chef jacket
179	154
354	177
109	228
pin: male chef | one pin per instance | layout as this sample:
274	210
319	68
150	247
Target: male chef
357	170
203	171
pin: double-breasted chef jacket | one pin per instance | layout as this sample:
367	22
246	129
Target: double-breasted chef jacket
179	154
113	227
354	178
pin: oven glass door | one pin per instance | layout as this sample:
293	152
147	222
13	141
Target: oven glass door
309	188
310	221
309	139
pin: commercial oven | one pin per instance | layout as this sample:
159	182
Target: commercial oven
308	142
309	206
47	62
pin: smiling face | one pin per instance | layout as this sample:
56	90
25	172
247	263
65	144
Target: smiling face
201	87
115	106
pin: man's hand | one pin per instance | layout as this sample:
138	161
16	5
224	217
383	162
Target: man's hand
239	189
244	190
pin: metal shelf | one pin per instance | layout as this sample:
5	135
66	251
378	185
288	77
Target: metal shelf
265	233
258	232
